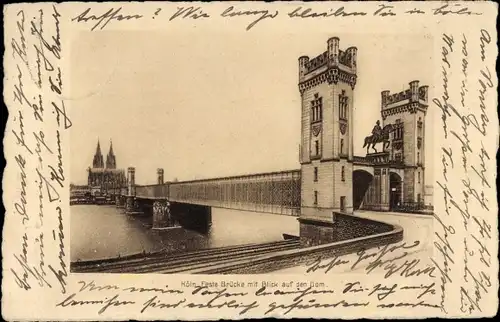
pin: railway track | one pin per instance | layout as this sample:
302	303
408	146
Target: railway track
191	261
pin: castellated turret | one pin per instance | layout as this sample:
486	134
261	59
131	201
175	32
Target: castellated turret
340	64
414	90
303	61
351	54
385	95
333	50
423	92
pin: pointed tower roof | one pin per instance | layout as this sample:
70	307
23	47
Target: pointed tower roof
98	159
110	158
111	147
98	149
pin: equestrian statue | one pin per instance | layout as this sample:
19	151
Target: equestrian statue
378	135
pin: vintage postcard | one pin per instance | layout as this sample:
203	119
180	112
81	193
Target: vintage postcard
234	160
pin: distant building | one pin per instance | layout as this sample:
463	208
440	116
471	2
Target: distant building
78	191
105	178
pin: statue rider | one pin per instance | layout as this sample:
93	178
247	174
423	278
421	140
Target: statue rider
377	131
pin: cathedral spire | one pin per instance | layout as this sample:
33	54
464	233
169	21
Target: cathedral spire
98	150
111	147
98	159
110	158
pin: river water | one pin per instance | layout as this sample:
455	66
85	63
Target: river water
98	232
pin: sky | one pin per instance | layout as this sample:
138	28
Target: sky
205	105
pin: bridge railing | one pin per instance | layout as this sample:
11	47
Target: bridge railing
152	191
277	192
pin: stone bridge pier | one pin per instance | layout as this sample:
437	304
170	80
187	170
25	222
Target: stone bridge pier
165	214
120	201
154	202
162	216
161	212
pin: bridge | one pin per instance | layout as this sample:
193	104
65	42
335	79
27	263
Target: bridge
274	192
331	179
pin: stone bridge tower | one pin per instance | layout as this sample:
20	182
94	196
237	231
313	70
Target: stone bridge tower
406	110
326	84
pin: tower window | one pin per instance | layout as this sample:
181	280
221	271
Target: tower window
343	103
398	132
315	197
317	109
341	146
342	173
316	147
418	176
342	203
418	157
315	173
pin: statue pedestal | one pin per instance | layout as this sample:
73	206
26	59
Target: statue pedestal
379	157
120	202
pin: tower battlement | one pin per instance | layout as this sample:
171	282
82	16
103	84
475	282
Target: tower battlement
415	97
332	65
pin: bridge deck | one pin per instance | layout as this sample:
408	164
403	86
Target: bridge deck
274	192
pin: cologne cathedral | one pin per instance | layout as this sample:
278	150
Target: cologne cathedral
105	177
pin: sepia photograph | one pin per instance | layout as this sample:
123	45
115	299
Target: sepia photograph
222	155
239	160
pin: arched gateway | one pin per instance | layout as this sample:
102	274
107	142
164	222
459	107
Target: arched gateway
361	181
391	174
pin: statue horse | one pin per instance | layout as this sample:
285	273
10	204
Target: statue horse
383	137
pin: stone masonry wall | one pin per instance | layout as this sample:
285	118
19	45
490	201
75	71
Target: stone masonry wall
345	227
